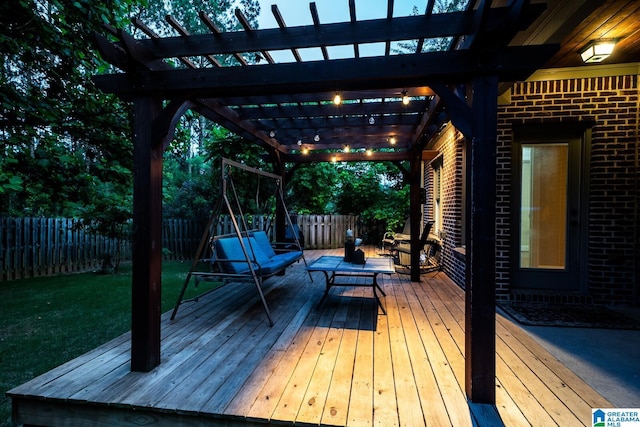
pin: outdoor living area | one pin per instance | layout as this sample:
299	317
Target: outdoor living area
336	360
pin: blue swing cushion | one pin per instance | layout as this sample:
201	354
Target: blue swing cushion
265	261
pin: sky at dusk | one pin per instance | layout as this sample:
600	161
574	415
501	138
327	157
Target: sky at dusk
297	13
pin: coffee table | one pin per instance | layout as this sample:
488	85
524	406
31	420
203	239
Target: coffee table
335	266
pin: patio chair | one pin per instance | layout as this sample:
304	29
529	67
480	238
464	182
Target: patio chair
430	248
390	239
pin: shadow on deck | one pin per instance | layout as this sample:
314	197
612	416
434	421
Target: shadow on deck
337	361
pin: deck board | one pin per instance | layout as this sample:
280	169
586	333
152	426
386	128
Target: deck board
326	361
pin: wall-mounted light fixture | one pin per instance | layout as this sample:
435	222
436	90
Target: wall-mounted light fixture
597	50
405	97
372	121
299	142
346	149
272	134
369	152
392	140
305	151
337	99
316	138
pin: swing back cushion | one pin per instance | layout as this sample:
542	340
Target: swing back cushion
232	259
263	241
286	257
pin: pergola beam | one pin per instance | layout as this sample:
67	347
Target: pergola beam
510	64
348	157
228	118
376	108
336	34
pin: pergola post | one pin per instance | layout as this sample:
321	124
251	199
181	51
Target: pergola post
415	215
480	305
280	220
147	237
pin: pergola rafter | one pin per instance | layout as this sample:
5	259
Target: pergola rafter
298	84
278	104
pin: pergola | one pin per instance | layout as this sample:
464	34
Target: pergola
283	106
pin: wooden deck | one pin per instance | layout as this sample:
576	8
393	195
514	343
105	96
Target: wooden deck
331	362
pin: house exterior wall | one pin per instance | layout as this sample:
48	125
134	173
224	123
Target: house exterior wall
611	104
450	144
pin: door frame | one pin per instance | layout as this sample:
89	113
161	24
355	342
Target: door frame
575	276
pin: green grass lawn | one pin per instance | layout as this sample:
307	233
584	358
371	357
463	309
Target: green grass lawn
47	321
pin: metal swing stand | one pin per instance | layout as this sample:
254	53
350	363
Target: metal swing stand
241	232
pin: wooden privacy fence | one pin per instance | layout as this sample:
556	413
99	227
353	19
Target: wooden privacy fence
326	231
32	247
181	237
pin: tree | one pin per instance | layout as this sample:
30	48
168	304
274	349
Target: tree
66	146
373	191
312	189
376	193
192	164
58	131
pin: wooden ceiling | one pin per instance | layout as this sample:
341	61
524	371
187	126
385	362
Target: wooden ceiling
288	107
574	24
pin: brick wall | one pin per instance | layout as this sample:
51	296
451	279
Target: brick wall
611	103
450	143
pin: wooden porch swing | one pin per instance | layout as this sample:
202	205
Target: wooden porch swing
246	254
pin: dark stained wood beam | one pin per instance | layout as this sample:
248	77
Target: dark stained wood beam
458	109
206	19
387	44
316	23
335	34
347	157
229	119
164	124
480	15
247	27
116	53
258	111
341	121
354	19
509	64
355	144
480	279
146	288
415	215
149	32
280	20
403	170
428	119
141	57
183	32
